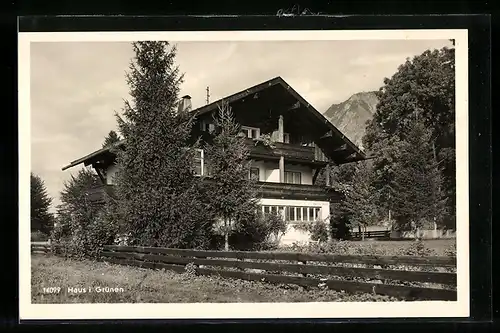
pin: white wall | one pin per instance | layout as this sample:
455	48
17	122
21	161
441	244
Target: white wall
306	172
293	235
270	172
110	173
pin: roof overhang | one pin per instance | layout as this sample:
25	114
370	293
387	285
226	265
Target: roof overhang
95	156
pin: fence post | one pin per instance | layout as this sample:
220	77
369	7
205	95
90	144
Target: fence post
239	268
304	263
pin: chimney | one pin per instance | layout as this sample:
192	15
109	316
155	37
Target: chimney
185	104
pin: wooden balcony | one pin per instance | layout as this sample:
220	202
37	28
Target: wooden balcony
268	190
291	152
296	192
97	195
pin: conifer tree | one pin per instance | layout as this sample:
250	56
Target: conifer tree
41	218
418	181
158	194
233	192
111	139
359	204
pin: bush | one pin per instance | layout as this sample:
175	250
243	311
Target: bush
340	227
254	231
451	251
318	230
418	248
38	236
86	237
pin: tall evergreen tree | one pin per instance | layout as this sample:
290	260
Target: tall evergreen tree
41	218
110	139
158	193
359	205
232	192
417	181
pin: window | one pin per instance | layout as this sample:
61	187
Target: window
251	132
254	173
305	215
294	214
198	163
298	214
292	177
207	126
286	137
311	214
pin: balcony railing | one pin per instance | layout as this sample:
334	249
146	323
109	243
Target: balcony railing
268	190
289	151
98	193
296	192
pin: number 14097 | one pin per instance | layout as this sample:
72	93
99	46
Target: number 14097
51	290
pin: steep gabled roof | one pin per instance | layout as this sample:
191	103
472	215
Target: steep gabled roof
350	148
279	81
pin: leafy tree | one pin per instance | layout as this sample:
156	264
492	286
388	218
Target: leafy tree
41	218
158	195
232	191
417	181
425	85
111	139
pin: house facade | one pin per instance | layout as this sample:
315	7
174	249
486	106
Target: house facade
290	144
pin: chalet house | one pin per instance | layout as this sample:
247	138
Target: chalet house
304	143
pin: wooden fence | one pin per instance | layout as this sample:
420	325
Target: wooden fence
307	270
41	248
380	234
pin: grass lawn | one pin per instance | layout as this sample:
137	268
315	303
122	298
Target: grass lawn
137	285
438	246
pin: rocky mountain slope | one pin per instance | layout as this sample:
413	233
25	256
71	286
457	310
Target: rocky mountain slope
350	116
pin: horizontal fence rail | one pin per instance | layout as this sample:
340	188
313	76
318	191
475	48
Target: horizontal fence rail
294	256
41	248
372	234
218	263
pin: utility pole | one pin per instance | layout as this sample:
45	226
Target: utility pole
208	95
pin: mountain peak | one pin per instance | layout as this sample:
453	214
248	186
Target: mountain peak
350	116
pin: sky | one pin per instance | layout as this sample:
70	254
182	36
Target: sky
76	87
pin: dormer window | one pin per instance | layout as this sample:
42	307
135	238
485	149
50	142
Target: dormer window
251	132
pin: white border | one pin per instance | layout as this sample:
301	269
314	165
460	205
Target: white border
460	308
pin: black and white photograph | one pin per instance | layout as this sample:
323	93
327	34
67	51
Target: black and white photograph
271	174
